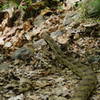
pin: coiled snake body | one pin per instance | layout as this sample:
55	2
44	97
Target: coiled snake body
88	77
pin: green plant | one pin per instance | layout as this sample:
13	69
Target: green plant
20	4
91	8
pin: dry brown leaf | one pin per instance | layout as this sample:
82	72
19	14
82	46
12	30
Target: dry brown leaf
20	34
1	29
27	26
10	32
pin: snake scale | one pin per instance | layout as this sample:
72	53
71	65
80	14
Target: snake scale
88	80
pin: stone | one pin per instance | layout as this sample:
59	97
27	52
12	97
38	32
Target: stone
38	20
70	17
4	66
39	44
22	53
55	34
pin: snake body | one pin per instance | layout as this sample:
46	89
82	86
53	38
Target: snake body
88	77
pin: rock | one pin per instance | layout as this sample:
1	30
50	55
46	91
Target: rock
8	44
39	44
23	53
4	66
54	35
61	91
70	17
38	20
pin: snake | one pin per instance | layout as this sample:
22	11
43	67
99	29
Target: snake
88	79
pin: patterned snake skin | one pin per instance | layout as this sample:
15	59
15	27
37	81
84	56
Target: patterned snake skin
88	77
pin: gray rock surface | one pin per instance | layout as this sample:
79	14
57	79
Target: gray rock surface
22	53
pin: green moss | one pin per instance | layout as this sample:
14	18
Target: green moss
91	8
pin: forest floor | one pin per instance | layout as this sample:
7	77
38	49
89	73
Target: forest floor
28	68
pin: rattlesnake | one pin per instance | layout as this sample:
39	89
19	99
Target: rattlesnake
88	77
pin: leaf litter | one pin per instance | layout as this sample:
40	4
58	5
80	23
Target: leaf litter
29	69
